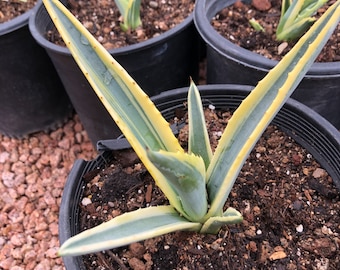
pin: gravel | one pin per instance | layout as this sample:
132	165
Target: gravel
33	172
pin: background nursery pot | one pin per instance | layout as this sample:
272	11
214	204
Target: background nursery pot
32	97
230	63
305	126
161	63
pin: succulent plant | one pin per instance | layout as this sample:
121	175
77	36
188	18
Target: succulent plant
197	183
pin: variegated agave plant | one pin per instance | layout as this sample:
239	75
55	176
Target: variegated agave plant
197	183
296	18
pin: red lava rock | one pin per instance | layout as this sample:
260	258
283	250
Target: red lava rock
54	228
18	239
137	249
57	135
238	4
7	178
4	157
297	159
64	144
52	252
15	216
33	172
7	263
32	178
262	5
136	264
78	127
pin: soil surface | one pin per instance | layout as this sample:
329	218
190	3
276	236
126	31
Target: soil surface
233	23
289	205
13	8
102	19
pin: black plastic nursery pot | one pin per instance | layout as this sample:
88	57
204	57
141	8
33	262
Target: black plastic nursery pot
32	97
305	126
161	63
230	63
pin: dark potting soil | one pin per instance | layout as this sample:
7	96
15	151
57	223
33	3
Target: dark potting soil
13	8
289	204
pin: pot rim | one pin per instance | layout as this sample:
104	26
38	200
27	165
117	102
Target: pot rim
205	10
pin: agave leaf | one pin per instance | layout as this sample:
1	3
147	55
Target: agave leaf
120	94
186	174
294	31
296	18
199	143
259	108
128	228
130	10
135	114
285	4
214	224
289	16
122	6
310	7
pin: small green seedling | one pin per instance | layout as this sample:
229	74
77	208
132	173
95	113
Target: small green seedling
296	18
130	10
256	25
197	183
